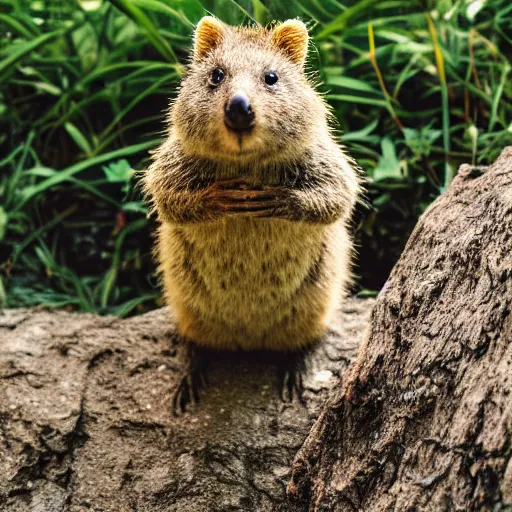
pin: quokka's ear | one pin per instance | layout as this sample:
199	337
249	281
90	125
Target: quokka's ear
292	38
209	33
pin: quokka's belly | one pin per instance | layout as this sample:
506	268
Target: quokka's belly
253	283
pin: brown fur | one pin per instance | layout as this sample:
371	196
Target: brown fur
253	243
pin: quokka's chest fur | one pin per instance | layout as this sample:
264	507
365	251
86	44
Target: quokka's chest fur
247	259
242	271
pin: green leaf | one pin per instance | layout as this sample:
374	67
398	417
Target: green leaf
362	135
157	6
351	83
342	21
141	19
42	172
118	172
389	165
347	98
261	13
23	49
3	295
3	223
16	26
134	206
86	44
47	87
108	285
127	307
143	94
497	95
90	5
78	137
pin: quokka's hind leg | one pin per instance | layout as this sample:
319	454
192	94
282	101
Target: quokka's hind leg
292	367
192	380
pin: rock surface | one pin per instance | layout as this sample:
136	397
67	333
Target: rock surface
86	421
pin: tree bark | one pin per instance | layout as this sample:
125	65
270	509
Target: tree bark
423	420
86	421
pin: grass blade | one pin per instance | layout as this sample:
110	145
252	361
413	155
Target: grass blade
78	137
342	21
448	171
497	95
140	18
23	49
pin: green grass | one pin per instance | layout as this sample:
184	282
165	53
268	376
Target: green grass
417	87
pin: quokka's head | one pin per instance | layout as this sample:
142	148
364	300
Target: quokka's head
245	94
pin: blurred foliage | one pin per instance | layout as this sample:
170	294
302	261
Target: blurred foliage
417	87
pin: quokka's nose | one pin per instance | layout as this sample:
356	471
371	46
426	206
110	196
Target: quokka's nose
238	112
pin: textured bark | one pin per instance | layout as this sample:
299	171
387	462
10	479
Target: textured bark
423	420
86	422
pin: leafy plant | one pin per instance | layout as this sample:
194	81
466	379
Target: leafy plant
417	87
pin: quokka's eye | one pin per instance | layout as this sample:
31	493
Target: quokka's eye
217	76
271	78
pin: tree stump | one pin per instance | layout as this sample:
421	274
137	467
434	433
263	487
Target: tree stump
423	420
86	421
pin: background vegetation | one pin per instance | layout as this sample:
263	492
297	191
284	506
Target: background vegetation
418	88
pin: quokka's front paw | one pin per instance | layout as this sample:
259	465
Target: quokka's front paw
239	196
